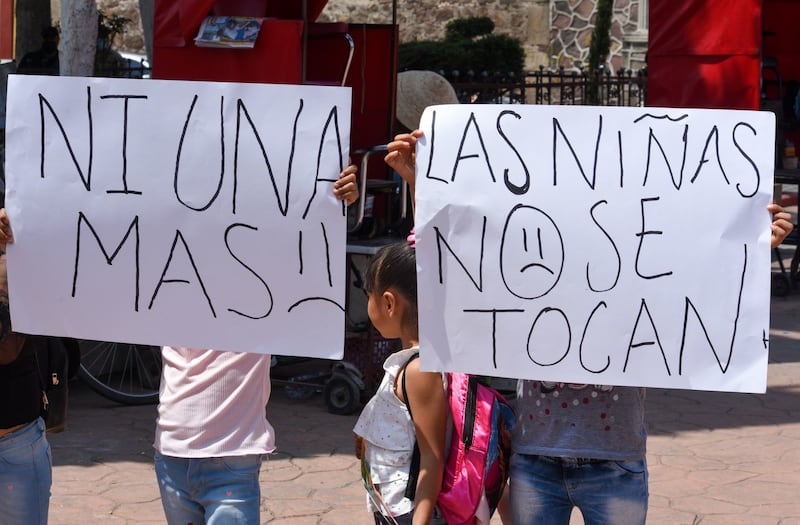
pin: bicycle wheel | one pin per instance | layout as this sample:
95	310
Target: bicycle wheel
125	373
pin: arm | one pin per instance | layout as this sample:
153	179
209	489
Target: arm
10	342
781	224
428	403
358	443
402	158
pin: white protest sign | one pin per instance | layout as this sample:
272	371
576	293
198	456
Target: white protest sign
193	214
620	246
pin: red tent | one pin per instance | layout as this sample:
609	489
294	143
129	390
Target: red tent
704	53
723	54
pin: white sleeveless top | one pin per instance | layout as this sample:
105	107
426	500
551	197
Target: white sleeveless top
389	436
213	404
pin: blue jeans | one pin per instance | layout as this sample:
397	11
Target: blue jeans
544	490
25	475
210	491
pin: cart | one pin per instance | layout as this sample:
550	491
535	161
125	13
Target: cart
291	49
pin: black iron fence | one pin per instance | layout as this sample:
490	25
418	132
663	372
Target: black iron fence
561	87
125	68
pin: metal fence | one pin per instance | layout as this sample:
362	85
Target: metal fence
561	87
125	68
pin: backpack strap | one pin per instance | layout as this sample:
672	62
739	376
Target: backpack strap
413	471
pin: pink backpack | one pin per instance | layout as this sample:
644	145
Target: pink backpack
480	447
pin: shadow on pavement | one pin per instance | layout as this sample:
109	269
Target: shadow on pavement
102	431
99	430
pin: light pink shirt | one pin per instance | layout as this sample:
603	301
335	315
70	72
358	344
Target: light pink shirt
213	404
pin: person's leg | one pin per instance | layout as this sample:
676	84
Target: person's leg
174	482
611	492
230	489
25	476
504	507
537	492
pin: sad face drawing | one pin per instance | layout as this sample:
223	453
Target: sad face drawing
531	252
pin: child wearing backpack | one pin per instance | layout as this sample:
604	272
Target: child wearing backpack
385	432
575	445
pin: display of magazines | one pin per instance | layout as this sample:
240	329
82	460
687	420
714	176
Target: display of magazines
228	31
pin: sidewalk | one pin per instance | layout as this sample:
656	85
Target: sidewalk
715	458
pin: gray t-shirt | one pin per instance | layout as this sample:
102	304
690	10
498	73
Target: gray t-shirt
577	420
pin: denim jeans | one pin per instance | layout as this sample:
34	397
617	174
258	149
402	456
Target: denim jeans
25	476
544	490
210	491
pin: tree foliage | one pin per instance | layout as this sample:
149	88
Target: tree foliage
468	28
109	26
601	35
468	45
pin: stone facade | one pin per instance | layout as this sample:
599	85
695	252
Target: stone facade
132	39
553	32
571	33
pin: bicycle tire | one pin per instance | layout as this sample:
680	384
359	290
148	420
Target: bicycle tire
126	373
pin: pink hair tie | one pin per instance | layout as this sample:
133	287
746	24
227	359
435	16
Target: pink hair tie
412	240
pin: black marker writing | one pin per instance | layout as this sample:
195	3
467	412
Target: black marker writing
534	277
471	122
180	151
514	188
133	227
162	280
440	240
87	177
583	338
494	312
613	245
333	118
642	234
748	159
560	313
631	345
125	99
228	231
723	368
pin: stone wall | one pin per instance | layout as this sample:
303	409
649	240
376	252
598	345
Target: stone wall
571	33
527	20
132	39
553	32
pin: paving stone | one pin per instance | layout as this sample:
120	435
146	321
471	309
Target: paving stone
715	458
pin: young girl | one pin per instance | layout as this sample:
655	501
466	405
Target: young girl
385	432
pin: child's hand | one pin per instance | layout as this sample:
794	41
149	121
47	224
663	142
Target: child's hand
346	188
5	230
401	157
359	445
781	224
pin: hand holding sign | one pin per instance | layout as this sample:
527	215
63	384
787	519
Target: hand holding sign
184	213
577	244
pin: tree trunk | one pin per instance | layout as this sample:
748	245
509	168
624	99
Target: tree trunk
31	17
147	10
78	37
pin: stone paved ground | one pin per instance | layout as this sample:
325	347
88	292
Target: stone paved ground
715	458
